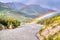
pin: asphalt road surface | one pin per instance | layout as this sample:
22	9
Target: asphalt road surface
24	32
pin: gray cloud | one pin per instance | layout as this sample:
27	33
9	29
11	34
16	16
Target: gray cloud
53	4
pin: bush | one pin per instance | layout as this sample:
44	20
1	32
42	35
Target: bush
9	22
58	38
44	38
50	37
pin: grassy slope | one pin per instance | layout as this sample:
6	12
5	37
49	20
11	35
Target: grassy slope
14	14
49	22
11	13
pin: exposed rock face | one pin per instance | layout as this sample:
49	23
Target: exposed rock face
25	32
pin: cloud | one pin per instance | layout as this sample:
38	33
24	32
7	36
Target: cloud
31	2
52	4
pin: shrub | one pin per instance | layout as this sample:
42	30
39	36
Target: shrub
9	21
44	38
58	38
50	37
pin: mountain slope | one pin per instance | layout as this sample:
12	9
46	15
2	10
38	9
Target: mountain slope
16	15
14	5
11	13
51	31
35	10
30	11
2	7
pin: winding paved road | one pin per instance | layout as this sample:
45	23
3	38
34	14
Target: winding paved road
25	32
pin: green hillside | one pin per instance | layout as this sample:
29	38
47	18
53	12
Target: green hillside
51	31
51	20
10	18
4	10
15	15
8	22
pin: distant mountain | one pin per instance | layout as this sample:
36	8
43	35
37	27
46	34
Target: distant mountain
3	7
14	14
34	10
30	11
13	5
8	12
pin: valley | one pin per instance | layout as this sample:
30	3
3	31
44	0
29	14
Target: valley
19	21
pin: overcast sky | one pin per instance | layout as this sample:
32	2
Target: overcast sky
53	4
